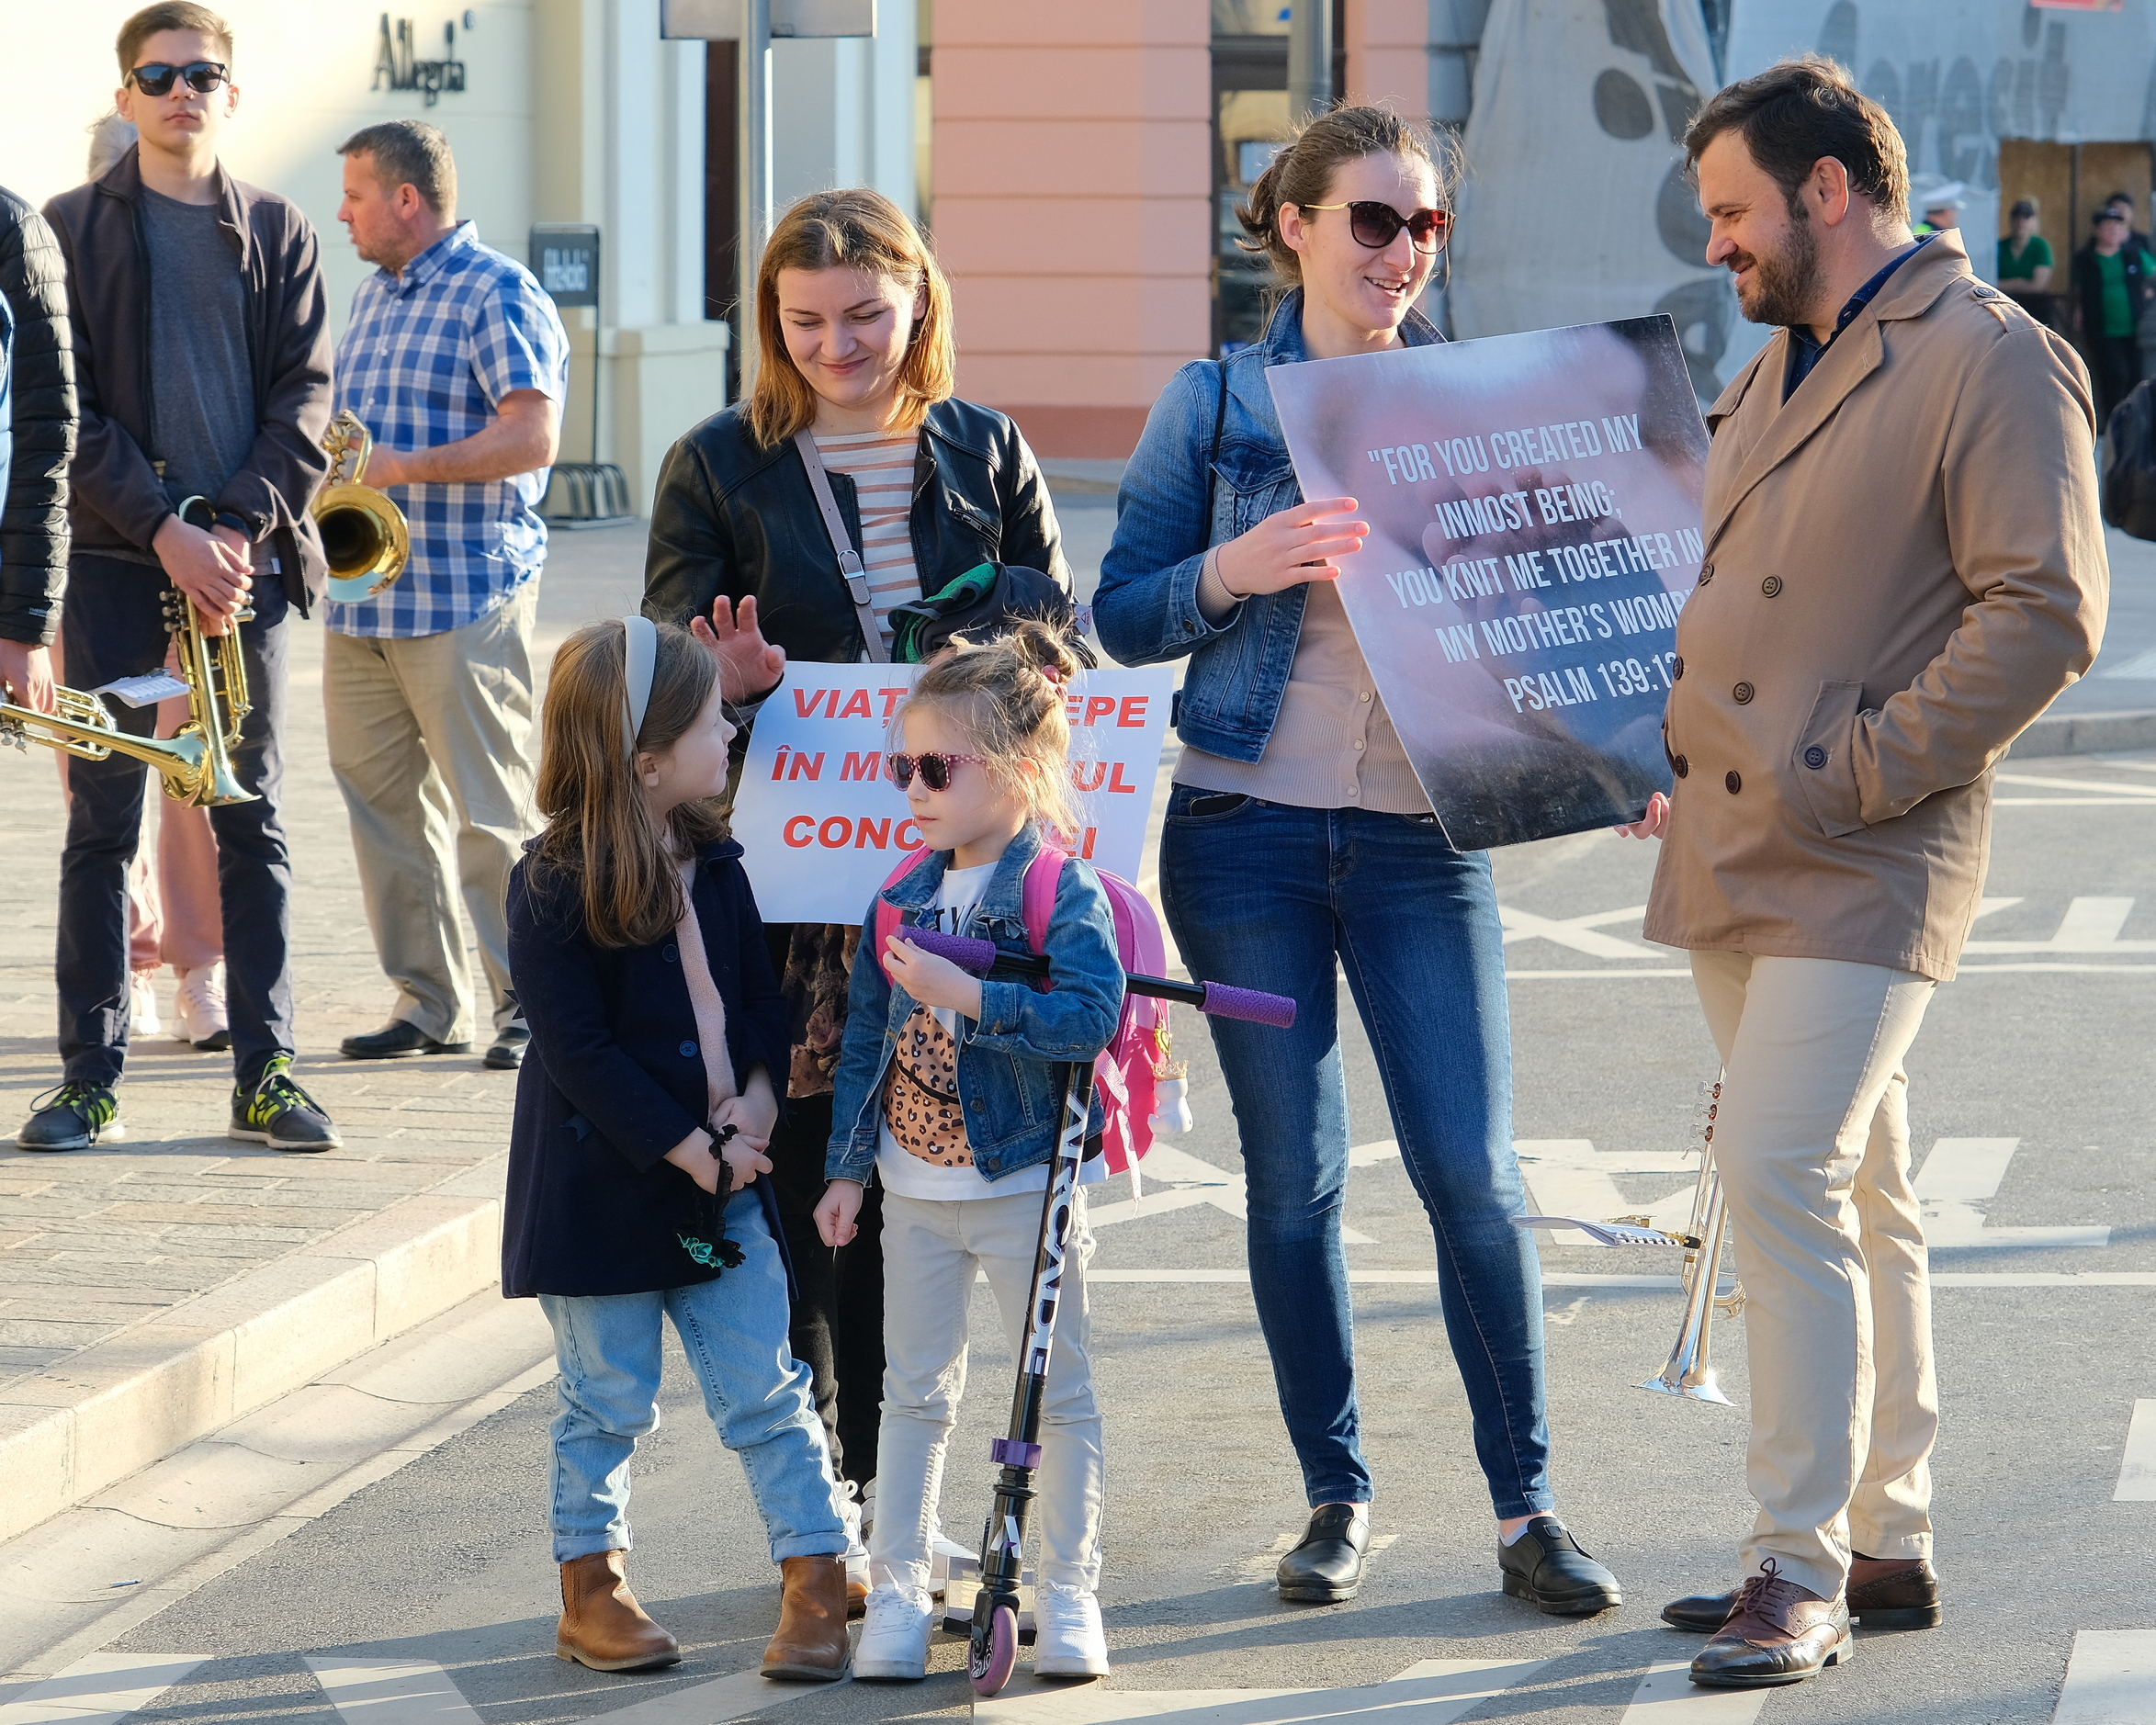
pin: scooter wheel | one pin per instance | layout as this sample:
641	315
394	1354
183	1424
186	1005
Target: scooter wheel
994	1651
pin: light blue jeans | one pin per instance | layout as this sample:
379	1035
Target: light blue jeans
734	1331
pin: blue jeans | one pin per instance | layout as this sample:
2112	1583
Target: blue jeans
1264	895
114	625
734	1331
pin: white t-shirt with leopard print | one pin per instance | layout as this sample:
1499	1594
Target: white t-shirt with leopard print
921	1144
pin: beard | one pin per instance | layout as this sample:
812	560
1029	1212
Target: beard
1785	283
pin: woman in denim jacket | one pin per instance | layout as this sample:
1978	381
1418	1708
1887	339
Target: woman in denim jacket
1297	838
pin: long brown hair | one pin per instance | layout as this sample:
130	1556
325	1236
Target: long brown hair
854	229
998	693
601	838
1303	172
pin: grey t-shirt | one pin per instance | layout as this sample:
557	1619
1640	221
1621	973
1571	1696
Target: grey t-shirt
202	385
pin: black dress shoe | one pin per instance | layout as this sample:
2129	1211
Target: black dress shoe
1546	1567
394	1040
510	1041
1327	1566
1907	1597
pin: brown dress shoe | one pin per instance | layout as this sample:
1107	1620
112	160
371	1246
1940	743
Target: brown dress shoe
1895	1593
1884	1593
601	1624
810	1644
1777	1632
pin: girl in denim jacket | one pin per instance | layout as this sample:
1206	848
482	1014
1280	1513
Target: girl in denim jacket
949	1091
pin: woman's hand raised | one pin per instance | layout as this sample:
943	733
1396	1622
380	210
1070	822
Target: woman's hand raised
1280	550
749	666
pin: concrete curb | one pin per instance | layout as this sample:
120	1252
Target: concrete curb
113	1409
2084	734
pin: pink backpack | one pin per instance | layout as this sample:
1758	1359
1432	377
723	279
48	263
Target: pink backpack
1129	1072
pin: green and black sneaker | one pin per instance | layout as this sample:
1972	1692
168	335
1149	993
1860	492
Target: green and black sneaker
277	1113
72	1117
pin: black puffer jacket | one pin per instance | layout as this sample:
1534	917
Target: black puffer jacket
33	518
733	517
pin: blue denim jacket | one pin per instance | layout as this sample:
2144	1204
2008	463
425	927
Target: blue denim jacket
1010	1063
1147	607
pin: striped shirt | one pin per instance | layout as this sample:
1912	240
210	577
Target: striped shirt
426	361
881	467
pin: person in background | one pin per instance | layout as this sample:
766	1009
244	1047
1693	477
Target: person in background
204	393
38	430
2114	284
854	319
1942	208
174	915
457	361
2026	264
1832	738
2124	203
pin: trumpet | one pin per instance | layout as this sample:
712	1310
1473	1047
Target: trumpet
364	534
1687	1371
195	765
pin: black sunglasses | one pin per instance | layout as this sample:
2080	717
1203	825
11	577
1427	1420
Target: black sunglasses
935	770
1377	225
155	78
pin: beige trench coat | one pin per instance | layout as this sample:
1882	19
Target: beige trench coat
1904	565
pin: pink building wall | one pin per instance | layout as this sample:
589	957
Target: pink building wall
1072	195
1072	184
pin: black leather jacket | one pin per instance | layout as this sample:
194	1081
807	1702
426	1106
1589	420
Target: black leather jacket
733	517
33	516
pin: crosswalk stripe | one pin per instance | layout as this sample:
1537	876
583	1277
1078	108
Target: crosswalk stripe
392	1692
2136	1467
2110	1679
1667	1696
100	1690
1430	1692
729	1697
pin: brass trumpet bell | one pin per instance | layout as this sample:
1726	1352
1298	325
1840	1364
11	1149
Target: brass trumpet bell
364	534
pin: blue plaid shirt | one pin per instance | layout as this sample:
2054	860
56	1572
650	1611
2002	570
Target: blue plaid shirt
425	360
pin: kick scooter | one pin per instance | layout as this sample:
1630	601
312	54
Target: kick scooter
993	1651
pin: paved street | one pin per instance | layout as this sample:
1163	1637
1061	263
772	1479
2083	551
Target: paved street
2031	1096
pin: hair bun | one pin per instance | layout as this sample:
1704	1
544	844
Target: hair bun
1044	649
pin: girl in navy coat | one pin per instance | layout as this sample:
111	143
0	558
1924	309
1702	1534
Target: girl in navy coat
642	1114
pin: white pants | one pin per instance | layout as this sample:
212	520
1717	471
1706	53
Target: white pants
1812	1144
932	1248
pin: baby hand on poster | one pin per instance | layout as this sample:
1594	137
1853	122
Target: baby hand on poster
1654	823
1281	551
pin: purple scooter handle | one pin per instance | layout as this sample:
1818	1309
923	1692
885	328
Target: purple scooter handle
1218	999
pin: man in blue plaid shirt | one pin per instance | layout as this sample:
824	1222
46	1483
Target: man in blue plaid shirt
457	361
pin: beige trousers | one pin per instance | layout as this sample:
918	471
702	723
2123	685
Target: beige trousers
1812	1144
431	743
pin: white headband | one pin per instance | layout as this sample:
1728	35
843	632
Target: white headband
640	638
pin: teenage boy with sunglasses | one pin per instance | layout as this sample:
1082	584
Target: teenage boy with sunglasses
202	358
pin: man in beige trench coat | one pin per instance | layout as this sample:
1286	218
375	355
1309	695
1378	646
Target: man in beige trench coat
1904	565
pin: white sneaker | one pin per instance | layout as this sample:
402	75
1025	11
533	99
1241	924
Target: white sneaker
199	1003
1068	1642
849	1511
143	1020
894	1645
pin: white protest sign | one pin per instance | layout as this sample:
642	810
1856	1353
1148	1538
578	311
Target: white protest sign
822	824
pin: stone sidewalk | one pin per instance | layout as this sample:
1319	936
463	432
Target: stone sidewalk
100	1247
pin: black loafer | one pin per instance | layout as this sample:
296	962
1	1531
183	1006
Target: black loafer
1906	1599
1546	1567
510	1041
395	1041
1327	1566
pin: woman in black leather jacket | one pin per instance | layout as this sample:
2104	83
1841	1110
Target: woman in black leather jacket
853	325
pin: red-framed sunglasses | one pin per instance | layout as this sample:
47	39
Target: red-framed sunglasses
1376	225
935	769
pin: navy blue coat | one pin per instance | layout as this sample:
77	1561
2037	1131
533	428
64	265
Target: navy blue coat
613	1079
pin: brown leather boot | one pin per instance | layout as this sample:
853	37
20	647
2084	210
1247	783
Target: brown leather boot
601	1624
811	1645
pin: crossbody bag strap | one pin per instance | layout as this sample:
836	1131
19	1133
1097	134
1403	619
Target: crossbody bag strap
1213	461
849	565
